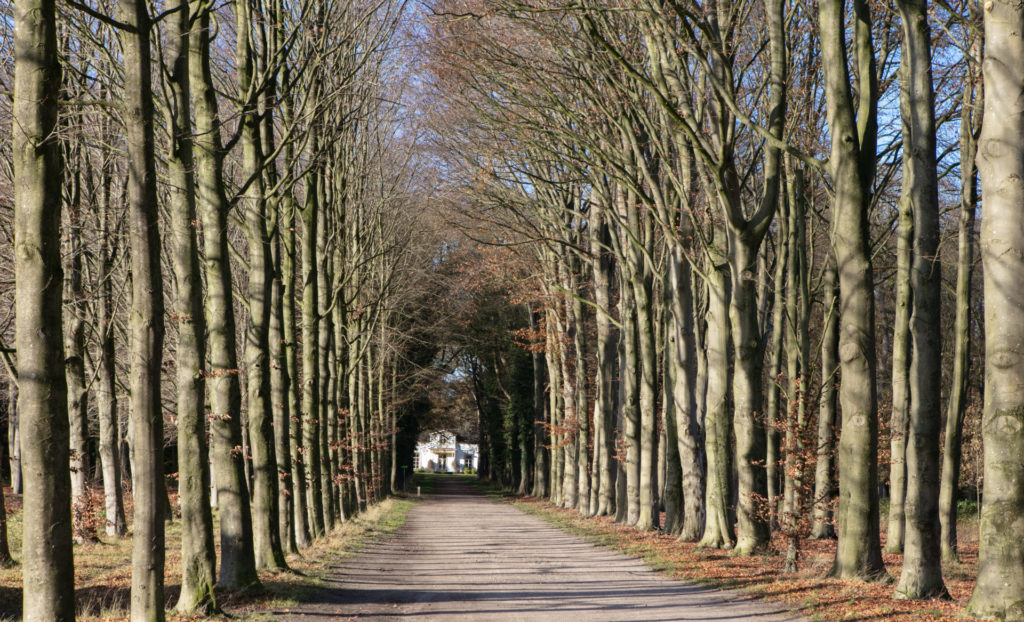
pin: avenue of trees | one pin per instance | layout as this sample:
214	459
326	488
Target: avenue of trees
214	267
737	248
738	270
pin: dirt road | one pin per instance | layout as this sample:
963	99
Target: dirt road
461	556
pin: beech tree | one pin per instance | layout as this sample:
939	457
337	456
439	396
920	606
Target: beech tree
42	387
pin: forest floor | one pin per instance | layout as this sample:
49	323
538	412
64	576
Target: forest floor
103	567
461	555
805	592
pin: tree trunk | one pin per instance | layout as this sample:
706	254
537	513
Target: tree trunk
671	489
106	395
717	528
997	593
237	566
900	381
922	568
604	404
74	352
630	375
582	409
6	560
198	558
14	437
42	405
751	524
778	329
823	526
852	159
648	364
957	408
540	451
300	517
280	378
323	348
570	424
684	405
265	529
147	319
310	385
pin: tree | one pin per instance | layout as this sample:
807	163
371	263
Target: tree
147	322
42	389
1001	167
852	161
199	563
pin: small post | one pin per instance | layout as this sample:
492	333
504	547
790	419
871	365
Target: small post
417	491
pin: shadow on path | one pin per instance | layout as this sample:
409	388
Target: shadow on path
463	556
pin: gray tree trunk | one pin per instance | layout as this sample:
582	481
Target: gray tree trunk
74	352
778	329
300	517
106	390
147	318
717	527
822	526
310	385
602	267
48	569
922	568
540	451
951	454
198	558
1000	583
265	530
852	158
325	400
14	438
629	379
900	382
237	565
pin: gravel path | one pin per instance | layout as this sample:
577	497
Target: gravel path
461	556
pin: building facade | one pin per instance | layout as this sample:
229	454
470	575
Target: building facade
443	452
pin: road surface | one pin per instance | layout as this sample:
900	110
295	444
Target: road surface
462	556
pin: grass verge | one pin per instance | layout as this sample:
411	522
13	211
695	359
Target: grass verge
103	567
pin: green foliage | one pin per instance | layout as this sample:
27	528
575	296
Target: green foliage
965	508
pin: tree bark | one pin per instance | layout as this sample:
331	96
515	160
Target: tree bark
300	515
198	558
822	526
717	527
106	392
778	329
922	569
1000	583
851	158
147	321
74	365
540	451
14	438
42	404
900	382
237	566
265	529
310	385
970	122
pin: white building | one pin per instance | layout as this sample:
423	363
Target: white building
442	452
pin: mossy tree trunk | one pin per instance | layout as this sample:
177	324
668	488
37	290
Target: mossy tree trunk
198	558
